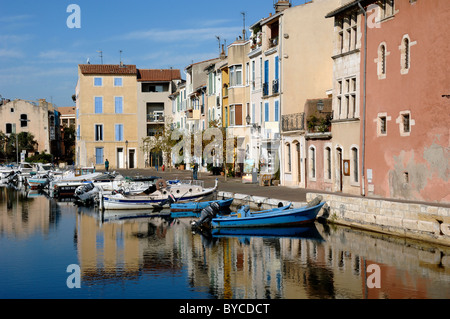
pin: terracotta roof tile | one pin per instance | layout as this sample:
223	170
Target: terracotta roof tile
66	110
107	69
153	75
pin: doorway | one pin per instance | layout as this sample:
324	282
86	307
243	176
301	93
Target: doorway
120	157
131	158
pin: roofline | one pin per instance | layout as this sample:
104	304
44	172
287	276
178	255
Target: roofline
343	8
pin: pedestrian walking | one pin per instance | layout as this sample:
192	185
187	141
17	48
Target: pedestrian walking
195	171
106	165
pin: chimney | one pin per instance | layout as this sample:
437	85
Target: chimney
222	54
282	5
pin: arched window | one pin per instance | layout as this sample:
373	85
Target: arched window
288	157
312	159
355	164
327	163
406	54
383	59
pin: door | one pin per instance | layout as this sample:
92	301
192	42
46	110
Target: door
131	158
120	158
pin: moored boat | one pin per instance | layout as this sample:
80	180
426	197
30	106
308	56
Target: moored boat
271	218
157	195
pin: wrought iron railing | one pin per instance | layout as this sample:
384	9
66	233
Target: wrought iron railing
293	122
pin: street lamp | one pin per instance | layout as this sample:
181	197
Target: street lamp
126	153
320	106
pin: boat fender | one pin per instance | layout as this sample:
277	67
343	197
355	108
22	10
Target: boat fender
315	201
160	183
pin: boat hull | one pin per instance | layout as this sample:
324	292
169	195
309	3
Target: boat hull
145	202
284	218
198	206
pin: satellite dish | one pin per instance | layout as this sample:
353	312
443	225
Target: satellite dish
88	61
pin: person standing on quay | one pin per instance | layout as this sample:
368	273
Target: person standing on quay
106	165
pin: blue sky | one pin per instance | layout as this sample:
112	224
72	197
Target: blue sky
39	54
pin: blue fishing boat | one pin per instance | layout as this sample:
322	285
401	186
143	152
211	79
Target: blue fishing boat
271	218
198	206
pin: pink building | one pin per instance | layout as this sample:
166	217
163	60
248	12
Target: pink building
407	100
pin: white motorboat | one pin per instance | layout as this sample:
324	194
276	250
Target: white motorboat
156	195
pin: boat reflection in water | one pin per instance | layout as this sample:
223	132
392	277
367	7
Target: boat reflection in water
139	256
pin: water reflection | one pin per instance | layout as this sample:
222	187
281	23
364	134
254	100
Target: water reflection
313	262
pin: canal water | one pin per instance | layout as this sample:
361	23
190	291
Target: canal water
130	256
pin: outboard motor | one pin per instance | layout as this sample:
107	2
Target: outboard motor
169	200
206	215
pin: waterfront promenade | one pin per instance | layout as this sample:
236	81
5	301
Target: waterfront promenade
416	220
235	185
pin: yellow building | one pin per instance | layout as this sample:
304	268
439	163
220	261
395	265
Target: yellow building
106	116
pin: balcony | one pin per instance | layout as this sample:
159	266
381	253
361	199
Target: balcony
293	122
275	86
155	117
265	89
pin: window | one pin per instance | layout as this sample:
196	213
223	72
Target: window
236	75
406	123
98	101
247	73
312	158
9	128
327	163
23	120
346	105
405	55
119	132
277	111
288	157
99	155
98	81
253	75
98	132
78	132
382	124
266	112
118	82
387	8
118	104
381	61
355	164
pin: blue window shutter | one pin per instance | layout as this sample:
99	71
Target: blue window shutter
98	81
117	81
118	102
99	155
119	132
98	104
266	71
276	68
276	111
266	112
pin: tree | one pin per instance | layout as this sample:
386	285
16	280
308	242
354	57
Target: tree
161	141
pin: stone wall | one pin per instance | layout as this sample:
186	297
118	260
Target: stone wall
413	220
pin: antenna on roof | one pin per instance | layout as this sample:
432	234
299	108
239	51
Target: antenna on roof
101	55
120	51
243	30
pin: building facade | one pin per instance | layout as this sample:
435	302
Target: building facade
154	88
408	102
40	118
107	116
346	124
306	43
